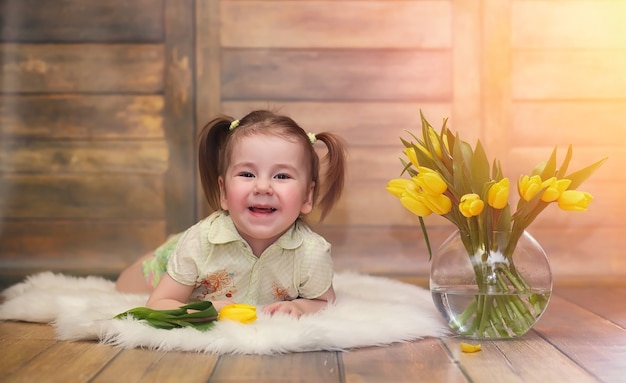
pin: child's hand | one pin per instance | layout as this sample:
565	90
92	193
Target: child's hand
284	307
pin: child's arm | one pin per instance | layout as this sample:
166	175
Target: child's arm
169	294
301	306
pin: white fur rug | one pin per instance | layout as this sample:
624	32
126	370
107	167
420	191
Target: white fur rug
369	311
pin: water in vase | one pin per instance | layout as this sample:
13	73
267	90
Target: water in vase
496	315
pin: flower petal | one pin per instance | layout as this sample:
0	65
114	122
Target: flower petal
430	181
574	200
498	194
438	204
554	188
397	186
466	347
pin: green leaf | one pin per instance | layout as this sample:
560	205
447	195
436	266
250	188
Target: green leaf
538	170
581	175
504	219
466	151
157	323
416	138
496	171
462	161
549	169
408	168
425	122
446	157
458	168
406	143
568	156
480	169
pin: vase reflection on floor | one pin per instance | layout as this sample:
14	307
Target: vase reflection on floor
494	286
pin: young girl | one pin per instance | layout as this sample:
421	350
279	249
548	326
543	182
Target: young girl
260	174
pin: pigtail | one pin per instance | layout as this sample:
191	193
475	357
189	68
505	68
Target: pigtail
333	182
210	142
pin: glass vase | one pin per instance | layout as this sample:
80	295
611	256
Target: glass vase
492	285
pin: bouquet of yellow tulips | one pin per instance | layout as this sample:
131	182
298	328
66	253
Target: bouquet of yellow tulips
449	178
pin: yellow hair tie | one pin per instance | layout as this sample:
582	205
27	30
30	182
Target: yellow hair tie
312	137
234	124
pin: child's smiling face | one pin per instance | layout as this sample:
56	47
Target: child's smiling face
266	187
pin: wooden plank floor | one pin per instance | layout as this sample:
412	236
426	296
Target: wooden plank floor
580	338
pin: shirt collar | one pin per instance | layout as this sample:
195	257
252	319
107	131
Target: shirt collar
222	230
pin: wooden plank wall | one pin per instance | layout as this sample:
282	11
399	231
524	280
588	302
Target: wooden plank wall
99	104
523	76
568	86
86	115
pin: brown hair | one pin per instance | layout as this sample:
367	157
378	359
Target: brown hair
216	140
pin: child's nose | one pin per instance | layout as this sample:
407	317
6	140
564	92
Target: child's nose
263	186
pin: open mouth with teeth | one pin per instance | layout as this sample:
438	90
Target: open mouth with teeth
264	210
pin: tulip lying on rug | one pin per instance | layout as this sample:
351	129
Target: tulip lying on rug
202	317
368	311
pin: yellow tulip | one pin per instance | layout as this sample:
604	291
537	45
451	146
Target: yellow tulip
529	186
410	153
574	200
554	188
416	206
498	194
438	204
471	205
238	312
397	186
413	200
430	181
434	138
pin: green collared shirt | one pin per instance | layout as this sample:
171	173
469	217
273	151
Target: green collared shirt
218	262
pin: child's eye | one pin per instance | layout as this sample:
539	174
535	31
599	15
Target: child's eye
283	176
246	174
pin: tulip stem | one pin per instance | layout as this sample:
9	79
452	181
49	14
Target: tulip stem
499	309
